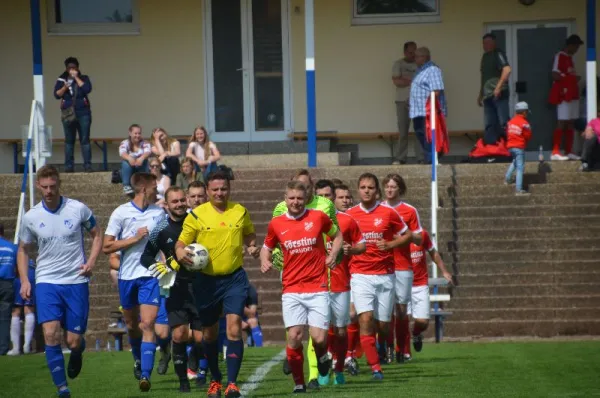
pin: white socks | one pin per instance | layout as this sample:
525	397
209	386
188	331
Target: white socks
15	333
29	328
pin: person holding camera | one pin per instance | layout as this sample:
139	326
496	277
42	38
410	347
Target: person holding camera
72	89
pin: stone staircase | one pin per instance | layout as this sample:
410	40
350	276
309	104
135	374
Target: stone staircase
526	266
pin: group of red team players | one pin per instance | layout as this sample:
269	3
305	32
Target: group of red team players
349	306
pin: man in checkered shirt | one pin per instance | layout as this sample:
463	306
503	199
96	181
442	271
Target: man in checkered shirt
427	79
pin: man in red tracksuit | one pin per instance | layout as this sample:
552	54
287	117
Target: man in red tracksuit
565	95
518	133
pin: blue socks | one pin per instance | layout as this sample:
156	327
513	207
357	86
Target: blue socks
148	352
203	364
257	336
235	354
211	350
164	343
56	364
136	348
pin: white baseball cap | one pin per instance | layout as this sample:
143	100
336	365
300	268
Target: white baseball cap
521	106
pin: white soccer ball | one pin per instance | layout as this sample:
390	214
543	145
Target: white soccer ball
199	256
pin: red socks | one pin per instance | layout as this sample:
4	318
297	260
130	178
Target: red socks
353	337
402	335
341	343
368	346
331	340
557	141
569	135
295	358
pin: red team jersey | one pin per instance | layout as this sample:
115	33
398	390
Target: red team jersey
339	277
567	88
418	255
410	216
301	240
380	222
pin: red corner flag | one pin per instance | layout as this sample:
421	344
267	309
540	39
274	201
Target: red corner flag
442	142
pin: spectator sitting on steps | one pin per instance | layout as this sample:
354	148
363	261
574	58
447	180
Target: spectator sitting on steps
163	182
203	151
167	150
590	155
188	174
134	152
518	133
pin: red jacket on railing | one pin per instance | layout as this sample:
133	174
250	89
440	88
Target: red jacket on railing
442	143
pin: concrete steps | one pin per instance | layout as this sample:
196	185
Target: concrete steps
525	266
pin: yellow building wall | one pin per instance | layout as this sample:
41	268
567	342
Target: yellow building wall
156	78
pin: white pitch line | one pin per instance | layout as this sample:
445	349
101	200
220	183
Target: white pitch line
260	373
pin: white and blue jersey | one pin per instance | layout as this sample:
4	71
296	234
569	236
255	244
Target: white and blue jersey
136	284
62	294
8	260
59	237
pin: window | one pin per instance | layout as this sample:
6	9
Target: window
88	17
376	12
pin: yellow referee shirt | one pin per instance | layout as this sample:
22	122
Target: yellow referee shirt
221	233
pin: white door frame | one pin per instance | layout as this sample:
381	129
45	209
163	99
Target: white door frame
249	134
511	49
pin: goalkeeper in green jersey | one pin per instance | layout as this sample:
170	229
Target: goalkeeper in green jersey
316	203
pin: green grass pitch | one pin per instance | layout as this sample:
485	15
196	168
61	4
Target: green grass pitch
531	369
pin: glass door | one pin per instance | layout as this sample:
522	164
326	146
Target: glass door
247	70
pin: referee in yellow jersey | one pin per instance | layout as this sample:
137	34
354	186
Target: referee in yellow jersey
223	227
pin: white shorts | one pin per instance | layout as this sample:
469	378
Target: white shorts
403	285
310	309
374	293
340	309
419	305
567	110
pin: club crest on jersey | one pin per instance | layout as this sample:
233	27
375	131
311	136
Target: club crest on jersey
378	222
68	224
308	225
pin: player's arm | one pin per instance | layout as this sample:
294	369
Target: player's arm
336	246
151	249
402	235
249	236
114	228
358	245
186	238
437	259
23	254
96	234
266	253
414	224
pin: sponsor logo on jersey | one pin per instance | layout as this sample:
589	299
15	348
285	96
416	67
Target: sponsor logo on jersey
372	236
300	246
308	225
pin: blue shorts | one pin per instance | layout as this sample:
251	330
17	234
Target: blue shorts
162	317
223	294
139	291
19	302
69	304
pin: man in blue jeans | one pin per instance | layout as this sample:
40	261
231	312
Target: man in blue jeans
493	92
72	89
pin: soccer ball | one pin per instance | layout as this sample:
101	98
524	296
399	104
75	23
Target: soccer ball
199	256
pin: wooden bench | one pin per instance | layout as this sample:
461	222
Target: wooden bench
101	143
389	138
117	329
438	313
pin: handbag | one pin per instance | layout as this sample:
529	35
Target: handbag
115	178
68	114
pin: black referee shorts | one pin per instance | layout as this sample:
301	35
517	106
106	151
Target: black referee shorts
181	306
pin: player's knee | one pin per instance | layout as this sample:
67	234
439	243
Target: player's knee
147	325
423	323
340	332
73	341
16	312
253	322
234	330
51	335
295	335
180	335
